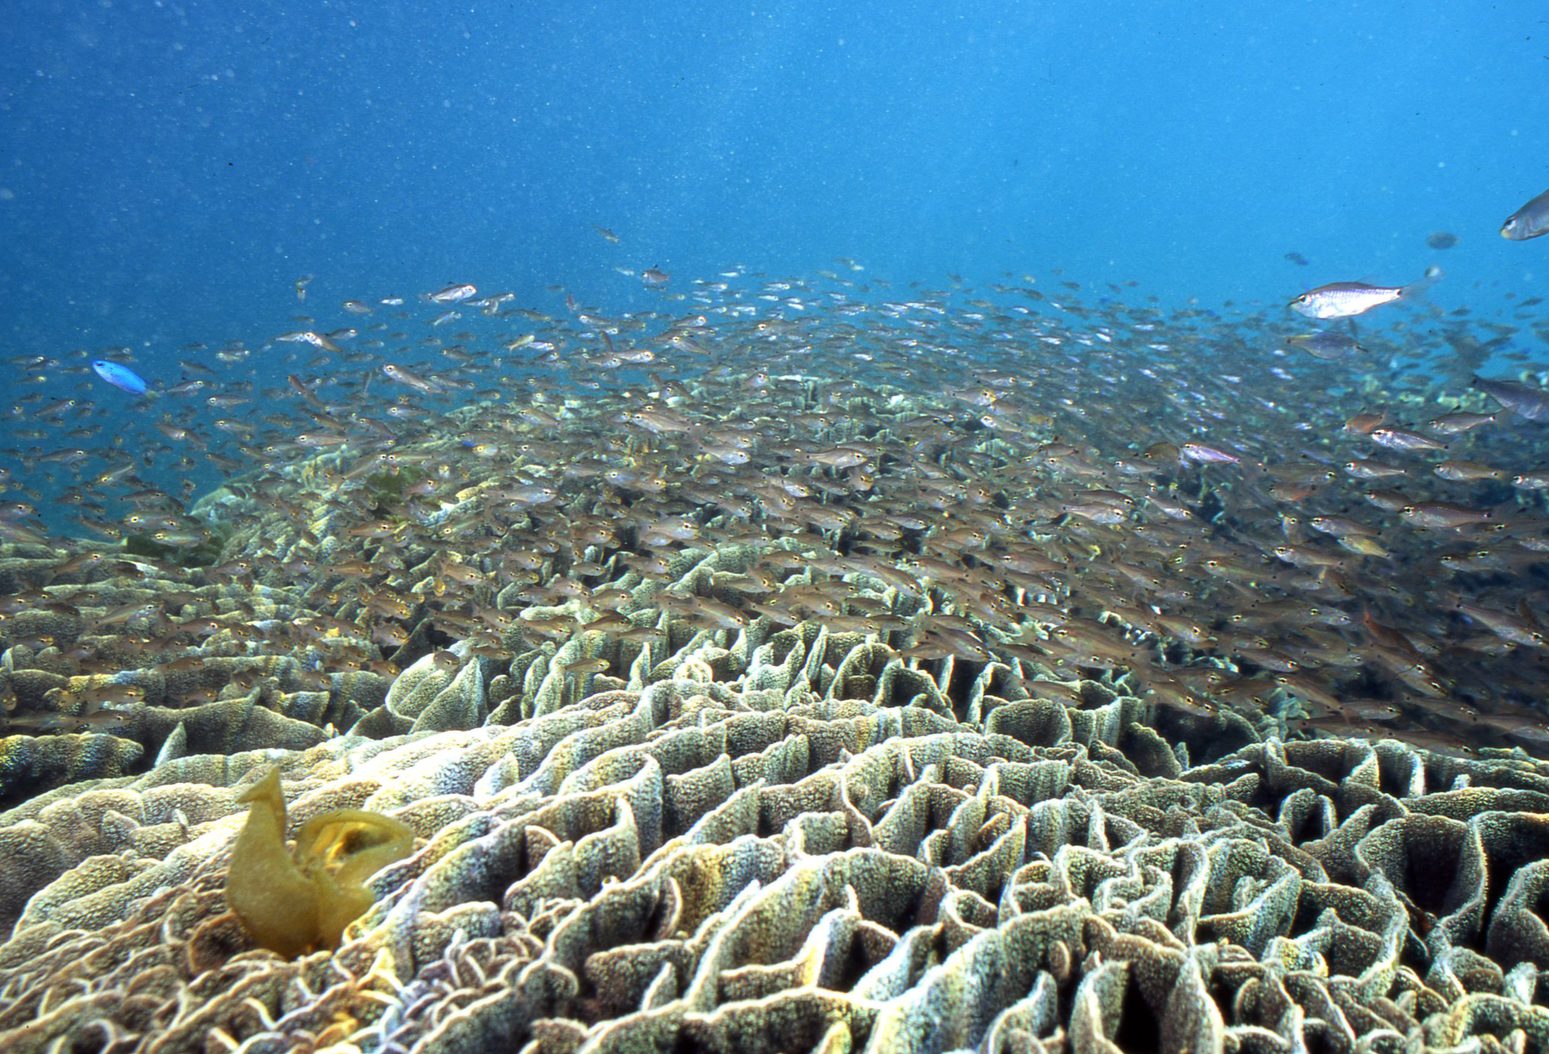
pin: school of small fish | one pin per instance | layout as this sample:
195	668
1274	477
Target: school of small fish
1221	510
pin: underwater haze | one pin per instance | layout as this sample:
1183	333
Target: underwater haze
910	527
170	169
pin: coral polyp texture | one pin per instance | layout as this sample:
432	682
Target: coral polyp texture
803	843
776	672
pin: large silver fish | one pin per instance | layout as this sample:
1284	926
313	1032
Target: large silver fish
1521	399
1529	221
1348	299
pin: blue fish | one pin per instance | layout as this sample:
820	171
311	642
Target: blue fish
120	376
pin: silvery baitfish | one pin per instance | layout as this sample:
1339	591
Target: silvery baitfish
1348	299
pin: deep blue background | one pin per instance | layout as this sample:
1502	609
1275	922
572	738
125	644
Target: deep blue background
168	170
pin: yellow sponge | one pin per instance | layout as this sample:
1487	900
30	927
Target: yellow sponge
296	903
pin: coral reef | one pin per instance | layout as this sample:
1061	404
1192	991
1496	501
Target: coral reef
813	850
804	686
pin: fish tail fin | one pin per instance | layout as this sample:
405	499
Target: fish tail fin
1355	334
1417	290
1531	617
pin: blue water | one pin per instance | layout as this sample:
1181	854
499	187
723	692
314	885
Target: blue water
169	170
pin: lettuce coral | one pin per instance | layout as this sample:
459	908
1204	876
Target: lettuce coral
296	903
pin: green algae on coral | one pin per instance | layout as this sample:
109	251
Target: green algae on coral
385	489
294	903
166	545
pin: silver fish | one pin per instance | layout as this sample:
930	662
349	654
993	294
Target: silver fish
452	294
1521	399
1348	299
1327	344
1529	221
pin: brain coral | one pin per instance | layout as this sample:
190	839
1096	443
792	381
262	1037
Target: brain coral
807	846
